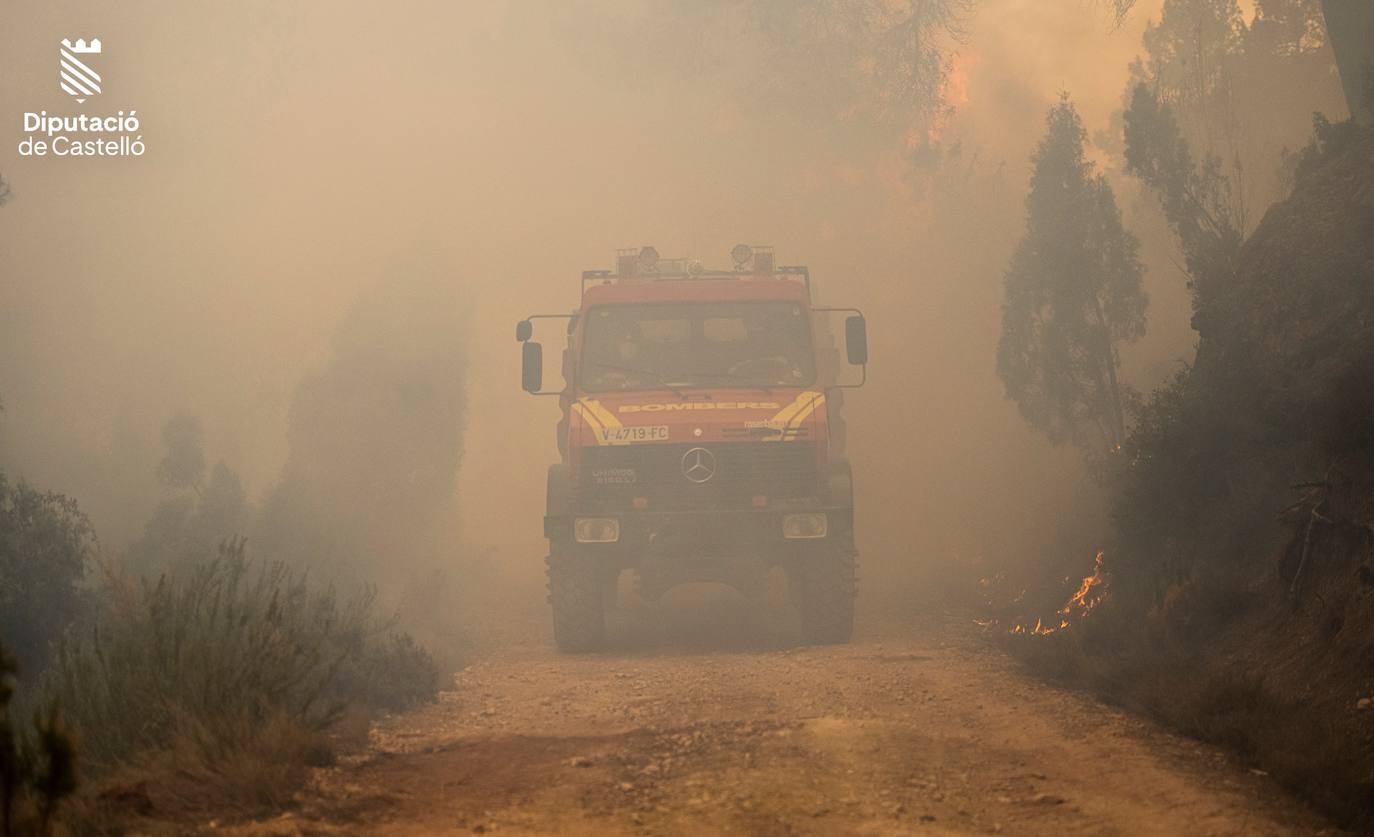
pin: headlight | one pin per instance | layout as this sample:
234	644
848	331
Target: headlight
596	530
808	525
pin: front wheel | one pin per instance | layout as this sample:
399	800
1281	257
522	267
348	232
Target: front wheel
825	582
577	596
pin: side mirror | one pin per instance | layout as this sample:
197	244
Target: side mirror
531	367
524	330
856	340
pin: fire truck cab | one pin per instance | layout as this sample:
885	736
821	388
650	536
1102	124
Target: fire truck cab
700	439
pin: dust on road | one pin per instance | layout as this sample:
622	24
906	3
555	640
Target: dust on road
913	729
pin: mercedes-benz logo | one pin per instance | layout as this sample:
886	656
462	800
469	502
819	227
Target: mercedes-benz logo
698	464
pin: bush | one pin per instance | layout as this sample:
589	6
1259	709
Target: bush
228	678
37	772
45	545
393	673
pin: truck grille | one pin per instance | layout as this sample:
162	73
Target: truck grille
615	475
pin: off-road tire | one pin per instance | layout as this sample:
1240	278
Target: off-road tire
577	596
825	579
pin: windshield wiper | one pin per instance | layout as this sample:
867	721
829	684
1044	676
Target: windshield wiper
651	373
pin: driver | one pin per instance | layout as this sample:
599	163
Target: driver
766	347
621	360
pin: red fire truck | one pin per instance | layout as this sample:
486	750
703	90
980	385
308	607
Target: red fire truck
700	439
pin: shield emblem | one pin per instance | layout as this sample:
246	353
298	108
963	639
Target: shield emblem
74	72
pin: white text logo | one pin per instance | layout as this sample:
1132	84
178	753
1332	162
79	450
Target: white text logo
114	134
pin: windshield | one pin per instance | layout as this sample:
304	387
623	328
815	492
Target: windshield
697	344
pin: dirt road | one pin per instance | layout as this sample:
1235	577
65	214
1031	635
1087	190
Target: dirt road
912	729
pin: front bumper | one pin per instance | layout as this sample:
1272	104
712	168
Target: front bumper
716	531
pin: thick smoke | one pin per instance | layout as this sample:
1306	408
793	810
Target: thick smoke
376	436
295	153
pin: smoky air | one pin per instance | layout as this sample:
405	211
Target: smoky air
922	415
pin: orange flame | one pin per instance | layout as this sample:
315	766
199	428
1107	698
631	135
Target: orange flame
954	87
953	93
1090	593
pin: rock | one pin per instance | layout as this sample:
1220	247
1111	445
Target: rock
579	761
1364	703
1047	799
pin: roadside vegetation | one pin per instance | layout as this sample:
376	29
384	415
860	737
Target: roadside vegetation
215	686
37	762
208	689
1234	597
188	676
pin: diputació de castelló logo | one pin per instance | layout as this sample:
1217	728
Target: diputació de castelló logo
82	135
76	76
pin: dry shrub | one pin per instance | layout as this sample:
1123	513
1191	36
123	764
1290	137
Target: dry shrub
218	686
37	764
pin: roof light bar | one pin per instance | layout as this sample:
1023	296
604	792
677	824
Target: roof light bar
644	263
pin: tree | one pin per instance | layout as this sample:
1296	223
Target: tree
197	515
817	59
1072	295
886	56
1196	199
1241	89
376	436
1350	24
184	465
45	546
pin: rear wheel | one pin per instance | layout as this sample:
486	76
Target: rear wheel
577	587
825	584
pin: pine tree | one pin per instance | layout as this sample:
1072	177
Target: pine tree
1073	295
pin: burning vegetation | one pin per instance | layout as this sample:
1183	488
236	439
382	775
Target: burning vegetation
1091	592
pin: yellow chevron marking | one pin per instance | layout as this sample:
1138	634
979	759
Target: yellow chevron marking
806	410
603	415
784	415
600	419
791	417
585	415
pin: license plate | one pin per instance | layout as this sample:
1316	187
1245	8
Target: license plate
655	433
